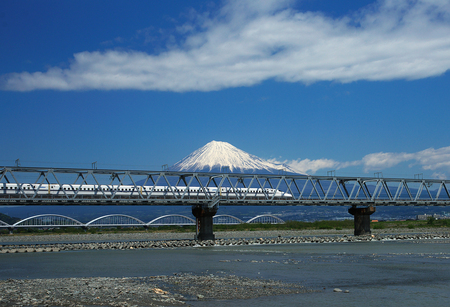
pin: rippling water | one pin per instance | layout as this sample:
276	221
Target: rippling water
389	273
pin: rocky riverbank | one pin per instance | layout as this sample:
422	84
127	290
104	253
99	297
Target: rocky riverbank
174	290
143	235
30	244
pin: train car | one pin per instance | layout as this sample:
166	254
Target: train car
102	191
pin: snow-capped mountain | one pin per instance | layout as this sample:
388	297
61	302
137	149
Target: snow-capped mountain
221	156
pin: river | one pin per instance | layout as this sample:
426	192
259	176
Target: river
386	273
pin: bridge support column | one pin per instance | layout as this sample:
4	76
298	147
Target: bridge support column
204	222
362	219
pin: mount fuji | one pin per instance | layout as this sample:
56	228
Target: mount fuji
221	156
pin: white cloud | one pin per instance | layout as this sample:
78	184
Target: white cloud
383	160
437	160
248	42
434	159
439	176
312	166
428	159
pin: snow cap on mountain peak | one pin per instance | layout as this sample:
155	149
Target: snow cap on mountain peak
217	156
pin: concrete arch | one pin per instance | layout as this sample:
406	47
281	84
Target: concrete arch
234	220
48	220
171	217
271	218
115	220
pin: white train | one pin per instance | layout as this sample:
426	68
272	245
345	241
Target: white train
12	189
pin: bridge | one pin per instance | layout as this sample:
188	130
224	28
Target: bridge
205	191
121	220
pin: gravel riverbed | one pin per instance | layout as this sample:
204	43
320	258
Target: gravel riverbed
68	242
173	290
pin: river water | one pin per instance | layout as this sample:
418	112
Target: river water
386	273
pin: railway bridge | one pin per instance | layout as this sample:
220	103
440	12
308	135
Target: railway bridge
206	191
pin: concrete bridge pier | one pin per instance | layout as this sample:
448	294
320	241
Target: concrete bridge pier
204	221
362	219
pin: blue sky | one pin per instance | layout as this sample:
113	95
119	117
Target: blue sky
353	86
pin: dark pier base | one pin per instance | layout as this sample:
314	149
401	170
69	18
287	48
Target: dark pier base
362	219
204	219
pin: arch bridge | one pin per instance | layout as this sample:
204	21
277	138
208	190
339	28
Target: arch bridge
122	220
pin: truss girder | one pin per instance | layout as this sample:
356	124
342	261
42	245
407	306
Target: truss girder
180	188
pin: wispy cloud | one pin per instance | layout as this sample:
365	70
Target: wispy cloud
437	160
312	166
247	42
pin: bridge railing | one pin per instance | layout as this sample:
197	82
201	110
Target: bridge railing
194	188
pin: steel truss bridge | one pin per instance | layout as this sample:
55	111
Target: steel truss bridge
295	189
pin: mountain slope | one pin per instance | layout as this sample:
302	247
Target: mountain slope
221	156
